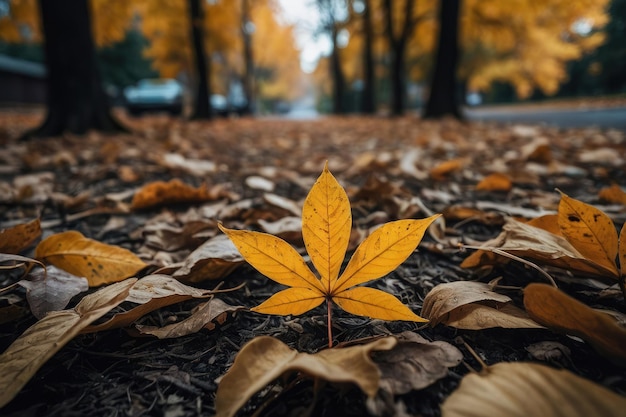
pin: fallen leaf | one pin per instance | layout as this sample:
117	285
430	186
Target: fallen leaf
287	228
150	293
613	194
326	227
264	359
590	231
17	238
5	257
173	192
203	315
444	169
622	252
527	389
259	183
473	306
543	247
51	289
196	167
43	339
547	222
495	182
560	312
214	259
98	262
415	363
283	203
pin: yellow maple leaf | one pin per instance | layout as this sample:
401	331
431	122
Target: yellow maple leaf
326	225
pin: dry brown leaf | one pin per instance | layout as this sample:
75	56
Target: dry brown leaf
472	306
415	363
590	231
201	317
51	289
214	259
264	359
46	337
173	192
18	260
622	252
17	238
613	194
150	293
98	262
528	389
444	169
564	314
495	182
538	245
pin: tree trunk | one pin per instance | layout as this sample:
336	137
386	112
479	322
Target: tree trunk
397	49
443	99
339	83
368	103
202	108
76	101
248	56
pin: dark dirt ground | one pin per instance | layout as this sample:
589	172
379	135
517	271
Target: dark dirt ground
113	373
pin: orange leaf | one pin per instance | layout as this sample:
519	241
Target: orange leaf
622	251
83	257
495	182
590	231
446	168
172	192
613	194
291	301
17	238
377	304
547	222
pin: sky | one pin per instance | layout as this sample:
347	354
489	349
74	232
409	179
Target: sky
304	15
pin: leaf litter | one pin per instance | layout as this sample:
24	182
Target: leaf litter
360	153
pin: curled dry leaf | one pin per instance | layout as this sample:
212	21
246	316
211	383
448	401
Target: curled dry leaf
18	260
415	363
473	306
150	293
543	247
203	316
46	337
98	262
17	238
173	192
527	389
214	259
51	289
564	314
264	359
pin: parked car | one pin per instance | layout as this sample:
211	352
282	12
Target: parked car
219	105
154	95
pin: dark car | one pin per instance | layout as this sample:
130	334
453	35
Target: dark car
154	95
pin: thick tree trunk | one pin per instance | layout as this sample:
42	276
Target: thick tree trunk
202	108
339	83
76	101
398	85
248	56
443	99
368	103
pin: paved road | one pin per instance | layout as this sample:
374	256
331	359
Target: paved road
565	117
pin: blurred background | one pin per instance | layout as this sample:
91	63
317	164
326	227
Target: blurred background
317	56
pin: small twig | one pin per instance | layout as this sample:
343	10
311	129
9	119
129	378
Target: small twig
473	352
516	258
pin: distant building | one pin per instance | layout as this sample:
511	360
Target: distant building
21	82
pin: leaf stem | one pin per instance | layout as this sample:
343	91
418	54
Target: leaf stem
329	309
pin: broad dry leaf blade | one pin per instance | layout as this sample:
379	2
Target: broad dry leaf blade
590	231
560	312
528	389
46	337
291	301
326	224
273	257
17	238
622	251
264	359
98	262
383	251
377	304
